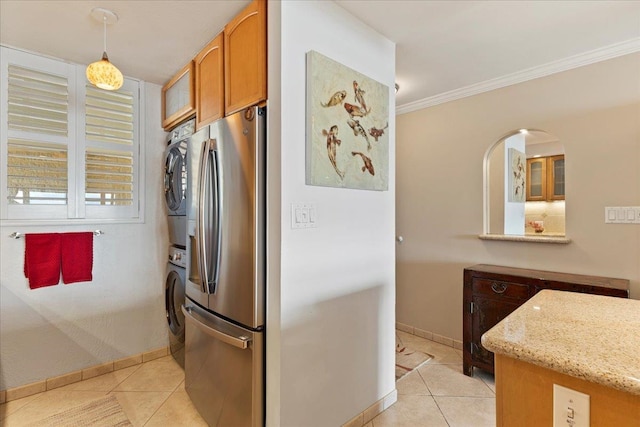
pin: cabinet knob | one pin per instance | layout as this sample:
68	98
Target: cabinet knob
498	288
400	239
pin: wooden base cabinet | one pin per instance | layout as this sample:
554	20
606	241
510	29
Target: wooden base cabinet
492	292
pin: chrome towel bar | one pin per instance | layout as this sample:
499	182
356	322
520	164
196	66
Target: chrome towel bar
16	235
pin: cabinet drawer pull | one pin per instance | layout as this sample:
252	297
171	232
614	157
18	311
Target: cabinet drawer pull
498	288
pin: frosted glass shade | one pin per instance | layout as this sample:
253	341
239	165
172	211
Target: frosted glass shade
104	74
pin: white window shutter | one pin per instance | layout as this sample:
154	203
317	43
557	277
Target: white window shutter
35	140
111	151
67	149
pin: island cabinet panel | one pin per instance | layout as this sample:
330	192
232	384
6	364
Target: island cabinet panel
524	397
245	58
209	65
492	292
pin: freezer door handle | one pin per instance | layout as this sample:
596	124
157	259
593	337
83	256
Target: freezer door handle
241	342
208	220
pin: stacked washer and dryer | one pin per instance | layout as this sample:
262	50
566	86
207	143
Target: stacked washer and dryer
175	190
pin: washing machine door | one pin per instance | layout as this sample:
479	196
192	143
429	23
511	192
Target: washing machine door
175	178
174	299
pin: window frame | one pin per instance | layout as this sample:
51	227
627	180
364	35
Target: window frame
75	211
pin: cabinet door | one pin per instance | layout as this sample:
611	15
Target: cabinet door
178	98
210	82
486	313
536	179
245	58
555	176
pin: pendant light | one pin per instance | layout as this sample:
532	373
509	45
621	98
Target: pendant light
103	73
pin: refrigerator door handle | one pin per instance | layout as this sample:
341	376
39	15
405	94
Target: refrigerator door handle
200	217
241	341
208	218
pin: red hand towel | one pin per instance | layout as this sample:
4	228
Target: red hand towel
77	257
42	259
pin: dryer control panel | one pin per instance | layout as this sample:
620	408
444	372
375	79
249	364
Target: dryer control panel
178	257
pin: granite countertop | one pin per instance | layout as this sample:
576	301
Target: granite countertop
592	337
531	238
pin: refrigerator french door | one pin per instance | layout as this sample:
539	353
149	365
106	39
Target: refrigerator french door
225	304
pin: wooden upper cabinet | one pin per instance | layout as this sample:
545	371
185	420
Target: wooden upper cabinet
178	100
245	58
209	66
545	178
555	178
537	179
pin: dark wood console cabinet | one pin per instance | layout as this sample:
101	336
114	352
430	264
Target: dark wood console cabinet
492	292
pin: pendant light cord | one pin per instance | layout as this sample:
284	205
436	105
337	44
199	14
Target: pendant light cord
104	21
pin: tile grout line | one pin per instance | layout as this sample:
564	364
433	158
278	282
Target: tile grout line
163	403
159	407
440	409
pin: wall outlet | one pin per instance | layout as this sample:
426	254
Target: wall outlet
570	408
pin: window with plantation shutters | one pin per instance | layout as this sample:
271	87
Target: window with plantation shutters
72	150
109	155
36	170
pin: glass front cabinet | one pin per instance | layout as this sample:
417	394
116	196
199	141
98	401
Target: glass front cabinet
545	178
178	98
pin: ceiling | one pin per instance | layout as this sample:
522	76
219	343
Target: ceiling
444	48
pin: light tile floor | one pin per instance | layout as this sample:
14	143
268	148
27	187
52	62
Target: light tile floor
438	394
152	394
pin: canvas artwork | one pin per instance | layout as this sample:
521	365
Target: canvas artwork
518	173
347	127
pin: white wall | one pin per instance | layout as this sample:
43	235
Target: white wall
513	211
336	343
59	329
595	113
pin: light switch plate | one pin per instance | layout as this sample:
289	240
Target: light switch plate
303	215
570	407
622	215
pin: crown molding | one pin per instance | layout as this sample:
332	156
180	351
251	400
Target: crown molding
580	60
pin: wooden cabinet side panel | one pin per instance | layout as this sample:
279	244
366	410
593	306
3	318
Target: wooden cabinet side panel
245	59
467	365
209	65
524	397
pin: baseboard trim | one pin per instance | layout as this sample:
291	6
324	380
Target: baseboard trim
72	377
450	342
373	411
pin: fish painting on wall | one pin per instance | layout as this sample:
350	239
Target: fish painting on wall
347	127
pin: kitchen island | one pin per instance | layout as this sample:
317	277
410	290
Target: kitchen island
588	343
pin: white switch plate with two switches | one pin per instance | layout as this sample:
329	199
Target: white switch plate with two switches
570	407
303	215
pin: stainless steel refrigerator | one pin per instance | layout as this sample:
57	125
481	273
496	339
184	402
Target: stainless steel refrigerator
225	304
